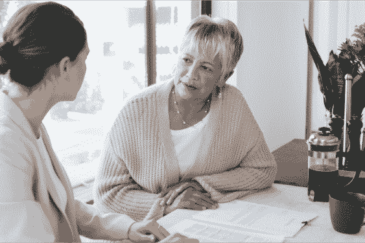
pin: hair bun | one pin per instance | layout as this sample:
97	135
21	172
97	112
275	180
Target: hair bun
5	56
5	48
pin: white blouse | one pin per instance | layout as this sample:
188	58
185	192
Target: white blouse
187	143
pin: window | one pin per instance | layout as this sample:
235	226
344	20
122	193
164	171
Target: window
172	17
116	69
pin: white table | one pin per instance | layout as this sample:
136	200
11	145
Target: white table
294	198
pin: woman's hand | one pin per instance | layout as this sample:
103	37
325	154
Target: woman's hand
191	199
171	194
147	231
177	238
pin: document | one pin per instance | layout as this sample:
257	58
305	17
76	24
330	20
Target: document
257	217
212	233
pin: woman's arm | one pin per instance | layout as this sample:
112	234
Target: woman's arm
24	222
116	191
115	227
256	171
19	212
95	225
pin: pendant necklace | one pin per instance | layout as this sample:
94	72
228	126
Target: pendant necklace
177	108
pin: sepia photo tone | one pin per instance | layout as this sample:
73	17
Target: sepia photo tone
182	121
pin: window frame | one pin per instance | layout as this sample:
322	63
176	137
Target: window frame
206	7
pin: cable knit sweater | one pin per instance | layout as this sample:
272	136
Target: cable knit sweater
139	159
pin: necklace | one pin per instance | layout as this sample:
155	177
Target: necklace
177	108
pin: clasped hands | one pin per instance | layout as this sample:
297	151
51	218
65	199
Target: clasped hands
187	195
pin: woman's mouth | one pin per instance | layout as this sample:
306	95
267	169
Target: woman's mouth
189	87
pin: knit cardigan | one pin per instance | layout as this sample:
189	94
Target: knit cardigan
139	159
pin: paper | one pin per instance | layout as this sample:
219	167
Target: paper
212	233
258	217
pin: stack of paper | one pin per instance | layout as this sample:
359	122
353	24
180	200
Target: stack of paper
212	233
267	219
241	221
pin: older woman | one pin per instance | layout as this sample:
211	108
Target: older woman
189	143
44	53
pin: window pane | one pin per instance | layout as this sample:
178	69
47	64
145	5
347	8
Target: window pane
172	18
115	70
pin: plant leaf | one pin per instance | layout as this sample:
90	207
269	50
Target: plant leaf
323	74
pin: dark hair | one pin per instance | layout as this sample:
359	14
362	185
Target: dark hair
38	36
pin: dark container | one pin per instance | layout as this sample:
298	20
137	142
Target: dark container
322	164
347	215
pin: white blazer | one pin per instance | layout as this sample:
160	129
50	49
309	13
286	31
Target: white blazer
29	205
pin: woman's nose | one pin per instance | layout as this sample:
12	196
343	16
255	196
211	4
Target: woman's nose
192	72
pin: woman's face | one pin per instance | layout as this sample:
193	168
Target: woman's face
196	75
77	72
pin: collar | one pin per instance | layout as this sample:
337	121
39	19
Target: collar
11	110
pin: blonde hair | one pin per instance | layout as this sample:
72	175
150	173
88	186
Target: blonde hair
212	36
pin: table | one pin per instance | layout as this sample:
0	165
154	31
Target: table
293	198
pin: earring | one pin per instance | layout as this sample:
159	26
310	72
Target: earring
219	92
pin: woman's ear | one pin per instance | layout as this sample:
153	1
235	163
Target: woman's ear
228	76
223	80
64	66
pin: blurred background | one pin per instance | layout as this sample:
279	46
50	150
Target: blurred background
116	69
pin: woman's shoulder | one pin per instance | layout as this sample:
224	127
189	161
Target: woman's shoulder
142	104
147	93
234	95
145	100
15	146
9	130
235	103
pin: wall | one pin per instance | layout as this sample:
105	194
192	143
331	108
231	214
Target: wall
272	72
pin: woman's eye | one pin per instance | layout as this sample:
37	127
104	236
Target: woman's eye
186	59
207	68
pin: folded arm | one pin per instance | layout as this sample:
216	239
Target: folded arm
256	171
116	191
